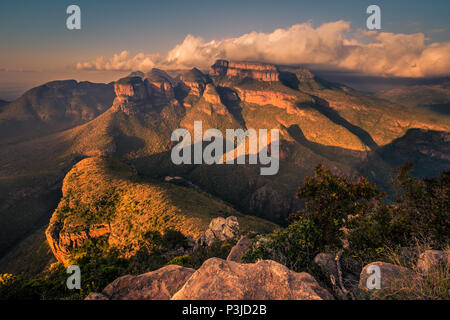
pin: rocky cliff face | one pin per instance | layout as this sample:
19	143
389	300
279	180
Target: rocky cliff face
210	94
194	81
254	70
132	95
161	85
264	97
137	94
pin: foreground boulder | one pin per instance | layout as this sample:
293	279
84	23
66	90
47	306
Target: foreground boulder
218	279
432	259
156	285
391	276
239	249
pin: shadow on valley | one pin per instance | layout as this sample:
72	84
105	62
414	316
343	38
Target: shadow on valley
443	109
232	102
330	152
324	108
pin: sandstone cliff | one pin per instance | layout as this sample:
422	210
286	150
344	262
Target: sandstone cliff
240	69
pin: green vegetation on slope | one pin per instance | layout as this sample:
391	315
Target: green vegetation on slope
104	198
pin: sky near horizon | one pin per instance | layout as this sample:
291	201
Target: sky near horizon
143	34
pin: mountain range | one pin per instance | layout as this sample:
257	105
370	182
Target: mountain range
70	149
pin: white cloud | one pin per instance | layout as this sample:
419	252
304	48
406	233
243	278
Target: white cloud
331	45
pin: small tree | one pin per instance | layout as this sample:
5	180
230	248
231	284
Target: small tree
330	201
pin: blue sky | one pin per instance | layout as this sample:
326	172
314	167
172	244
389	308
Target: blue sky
33	33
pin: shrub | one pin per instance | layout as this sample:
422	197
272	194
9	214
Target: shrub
183	261
294	246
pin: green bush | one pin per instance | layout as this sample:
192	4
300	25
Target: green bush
294	246
184	261
420	213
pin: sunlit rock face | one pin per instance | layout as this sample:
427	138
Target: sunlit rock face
135	94
160	84
210	94
131	95
194	81
254	70
218	279
131	88
261	98
219	68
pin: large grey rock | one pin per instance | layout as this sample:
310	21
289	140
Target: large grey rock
156	285
218	279
238	250
432	259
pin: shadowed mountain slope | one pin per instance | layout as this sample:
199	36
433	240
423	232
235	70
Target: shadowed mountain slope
53	107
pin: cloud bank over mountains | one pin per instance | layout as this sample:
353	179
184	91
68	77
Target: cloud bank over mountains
332	45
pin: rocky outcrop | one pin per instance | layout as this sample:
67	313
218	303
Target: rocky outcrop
61	243
161	284
267	97
130	89
194	81
241	69
137	94
213	101
220	229
218	279
132	95
239	249
219	68
433	259
161	85
210	94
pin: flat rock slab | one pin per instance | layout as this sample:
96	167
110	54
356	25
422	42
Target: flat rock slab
156	285
218	279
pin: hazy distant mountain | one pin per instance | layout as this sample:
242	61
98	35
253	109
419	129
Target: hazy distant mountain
433	96
2	104
53	107
352	133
